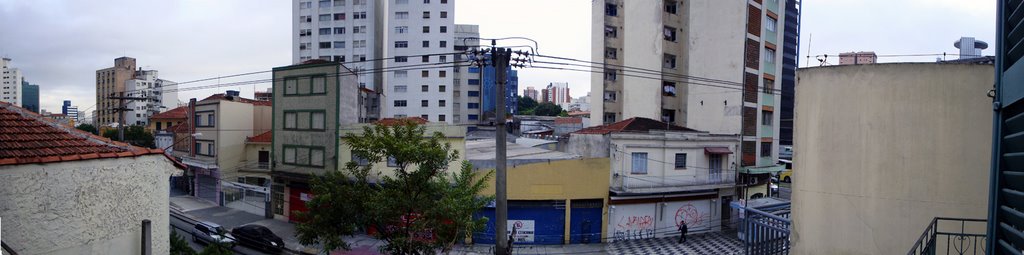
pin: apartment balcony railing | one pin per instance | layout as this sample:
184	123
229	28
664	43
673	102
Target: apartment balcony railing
766	232
625	182
952	236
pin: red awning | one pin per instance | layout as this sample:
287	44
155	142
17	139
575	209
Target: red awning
717	150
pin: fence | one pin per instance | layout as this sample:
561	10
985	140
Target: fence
627	182
766	233
955	235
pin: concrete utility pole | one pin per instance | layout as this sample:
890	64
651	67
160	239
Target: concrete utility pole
120	112
500	58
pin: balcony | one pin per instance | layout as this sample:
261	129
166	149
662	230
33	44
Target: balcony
255	166
627	183
952	236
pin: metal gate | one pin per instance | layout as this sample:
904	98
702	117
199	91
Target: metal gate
206	188
585	220
245	197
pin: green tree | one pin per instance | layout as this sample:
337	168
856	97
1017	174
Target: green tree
526	104
88	128
135	135
547	109
179	246
422	209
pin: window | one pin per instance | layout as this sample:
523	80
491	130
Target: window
302	19
444	29
305	5
401	15
210	120
769	23
424	103
401	29
319	85
360	160
426	15
473	81
680	160
424	73
339	30
766	118
766	149
444	1
289	155
769	55
768	86
440	117
424	116
339	2
424	88
668	115
325	3
425	59
316	157
670	61
668	88
610	9
609	96
318	120
610	53
304	120
611	31
401	44
474	70
426	29
443	44
639	163
441	103
401	74
401	1
426	44
359	29
325	45
339	44
359	44
359	15
671	7
401	59
305	32
325	17
339	58
401	88
358	2
444	59
472	117
400	103
339	16
474	93
444	15
324	31
610	75
199	148
304	155
472	106
359	57
440	88
670	34
442	74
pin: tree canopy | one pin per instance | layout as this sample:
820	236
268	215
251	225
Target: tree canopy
422	208
547	109
134	135
88	128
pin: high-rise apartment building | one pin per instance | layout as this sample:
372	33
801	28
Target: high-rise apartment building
69	110
349	31
30	96
733	43
361	33
790	54
557	93
111	82
10	83
466	86
532	92
148	85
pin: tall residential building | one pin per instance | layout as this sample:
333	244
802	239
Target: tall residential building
969	47
350	31
557	93
857	58
790	59
531	92
111	82
732	42
10	83
147	84
465	107
64	106
419	33
30	96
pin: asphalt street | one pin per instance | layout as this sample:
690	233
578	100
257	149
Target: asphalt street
184	225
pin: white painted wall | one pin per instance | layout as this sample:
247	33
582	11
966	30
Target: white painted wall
657	220
642	48
10	83
716	40
87	206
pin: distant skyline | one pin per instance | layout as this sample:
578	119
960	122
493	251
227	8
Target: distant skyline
60	44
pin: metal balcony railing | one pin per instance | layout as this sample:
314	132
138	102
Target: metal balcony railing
766	232
952	236
627	182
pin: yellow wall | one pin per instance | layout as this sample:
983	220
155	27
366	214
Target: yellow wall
559	180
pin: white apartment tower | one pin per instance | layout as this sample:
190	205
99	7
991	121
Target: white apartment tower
466	109
419	41
10	83
147	83
347	31
361	32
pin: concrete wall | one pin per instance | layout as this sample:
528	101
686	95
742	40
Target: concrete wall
86	207
589	145
262	118
882	149
717	30
235	123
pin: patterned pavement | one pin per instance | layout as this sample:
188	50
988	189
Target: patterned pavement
703	243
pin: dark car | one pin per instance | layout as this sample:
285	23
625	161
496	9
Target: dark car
259	237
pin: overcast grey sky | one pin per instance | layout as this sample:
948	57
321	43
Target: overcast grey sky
60	44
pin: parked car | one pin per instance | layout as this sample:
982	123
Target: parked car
258	237
787	175
209	232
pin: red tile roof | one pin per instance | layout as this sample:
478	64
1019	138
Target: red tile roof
265	137
27	137
636	124
397	121
176	113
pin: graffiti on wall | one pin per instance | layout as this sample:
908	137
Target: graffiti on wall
693	217
634	227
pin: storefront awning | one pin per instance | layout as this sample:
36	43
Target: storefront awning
717	150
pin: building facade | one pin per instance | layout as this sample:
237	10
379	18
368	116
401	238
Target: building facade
790	61
10	83
907	131
532	92
30	96
970	47
147	84
418	42
111	82
466	85
557	93
341	31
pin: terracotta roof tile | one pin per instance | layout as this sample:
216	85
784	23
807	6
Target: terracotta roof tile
265	137
636	124
176	113
27	137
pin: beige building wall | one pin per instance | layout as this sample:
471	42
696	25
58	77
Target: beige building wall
882	149
86	206
235	123
111	81
262	118
716	35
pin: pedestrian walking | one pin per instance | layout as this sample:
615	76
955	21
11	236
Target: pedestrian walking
682	231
